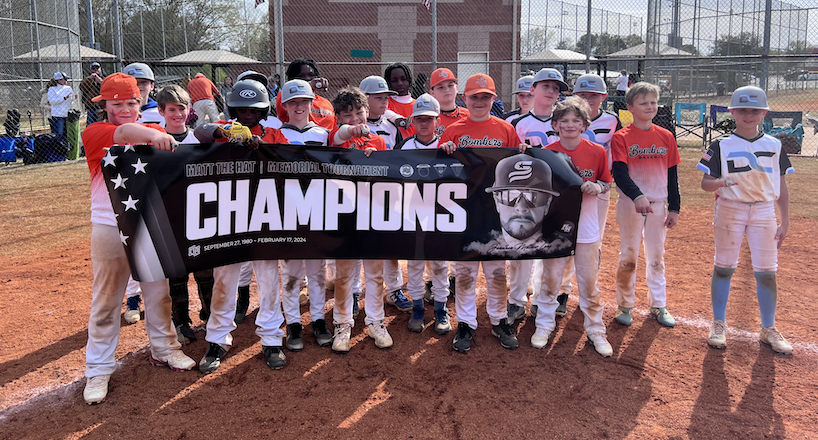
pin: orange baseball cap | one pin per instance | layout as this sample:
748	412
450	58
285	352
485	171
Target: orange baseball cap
117	87
479	83
440	75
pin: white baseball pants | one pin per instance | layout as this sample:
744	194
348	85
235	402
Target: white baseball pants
520	274
392	275
440	279
291	275
586	261
132	288
732	220
356	282
205	107
373	303
346	271
246	274
466	293
632	227
111	273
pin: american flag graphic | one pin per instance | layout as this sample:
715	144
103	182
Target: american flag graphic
427	3
258	2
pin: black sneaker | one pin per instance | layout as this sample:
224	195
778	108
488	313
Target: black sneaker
451	287
212	358
505	334
562	309
463	337
242	304
428	295
186	333
322	335
515	312
274	356
534	310
295	337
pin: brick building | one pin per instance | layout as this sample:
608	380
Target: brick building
374	34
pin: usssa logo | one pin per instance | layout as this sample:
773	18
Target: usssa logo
522	171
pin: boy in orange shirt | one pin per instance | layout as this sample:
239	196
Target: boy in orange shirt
481	129
120	100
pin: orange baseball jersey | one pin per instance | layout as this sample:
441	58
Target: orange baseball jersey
402	108
321	113
361	142
493	132
97	138
648	154
268	135
592	162
449	117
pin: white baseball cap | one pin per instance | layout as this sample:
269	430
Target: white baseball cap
550	75
426	105
139	71
296	88
374	84
60	75
524	85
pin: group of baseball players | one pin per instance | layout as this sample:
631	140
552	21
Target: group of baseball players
745	169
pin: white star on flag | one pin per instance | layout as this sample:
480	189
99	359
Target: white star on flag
123	238
139	166
128	147
109	159
119	181
130	203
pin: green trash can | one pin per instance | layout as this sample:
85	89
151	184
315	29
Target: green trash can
72	132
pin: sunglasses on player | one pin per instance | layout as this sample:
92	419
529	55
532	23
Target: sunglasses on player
510	197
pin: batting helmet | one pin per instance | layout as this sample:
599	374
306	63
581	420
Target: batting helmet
590	83
524	85
139	71
550	75
296	88
248	94
522	171
253	75
749	97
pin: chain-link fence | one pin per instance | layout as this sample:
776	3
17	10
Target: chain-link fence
698	51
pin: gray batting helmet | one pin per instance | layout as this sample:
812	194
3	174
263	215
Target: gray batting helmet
296	88
375	84
255	76
248	94
749	97
523	85
139	71
590	83
550	75
522	171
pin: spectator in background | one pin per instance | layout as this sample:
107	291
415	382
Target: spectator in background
60	97
497	108
322	112
274	85
202	92
227	86
622	83
90	87
186	80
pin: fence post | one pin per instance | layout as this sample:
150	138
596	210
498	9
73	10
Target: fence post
765	57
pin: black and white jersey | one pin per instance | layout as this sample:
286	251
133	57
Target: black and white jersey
511	116
185	138
534	130
601	131
754	166
311	134
413	143
385	129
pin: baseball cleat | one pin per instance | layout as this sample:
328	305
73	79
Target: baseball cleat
562	308
322	335
718	334
378	332
601	344
295	337
132	314
416	322
212	358
340	343
442	324
274	356
176	360
624	316
96	389
540	338
663	316
771	337
463	338
515	312
504	333
399	300
356	307
185	334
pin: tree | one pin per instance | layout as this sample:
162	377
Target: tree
537	40
743	44
605	43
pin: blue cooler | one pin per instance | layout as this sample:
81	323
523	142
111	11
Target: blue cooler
7	149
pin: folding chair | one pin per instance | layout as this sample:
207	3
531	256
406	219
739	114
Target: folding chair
689	118
721	123
791	136
625	117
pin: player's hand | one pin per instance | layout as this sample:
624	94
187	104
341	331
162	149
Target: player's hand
448	147
162	141
672	219
781	233
369	151
725	182
523	147
357	130
591	188
236	132
642	206
253	143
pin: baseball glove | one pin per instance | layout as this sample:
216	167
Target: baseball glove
236	132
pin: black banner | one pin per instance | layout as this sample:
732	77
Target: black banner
207	205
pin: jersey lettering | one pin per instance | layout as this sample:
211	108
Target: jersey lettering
751	159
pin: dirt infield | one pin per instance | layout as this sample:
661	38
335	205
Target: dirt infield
661	383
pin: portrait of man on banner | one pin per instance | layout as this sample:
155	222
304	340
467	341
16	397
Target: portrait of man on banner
523	193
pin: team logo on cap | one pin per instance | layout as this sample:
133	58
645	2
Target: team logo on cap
443	74
249	94
423	104
747	98
382	85
553	75
587	85
482	82
296	89
523	171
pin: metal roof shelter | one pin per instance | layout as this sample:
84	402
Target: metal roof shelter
59	52
640	49
557	56
202	57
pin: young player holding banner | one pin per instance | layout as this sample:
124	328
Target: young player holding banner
746	170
